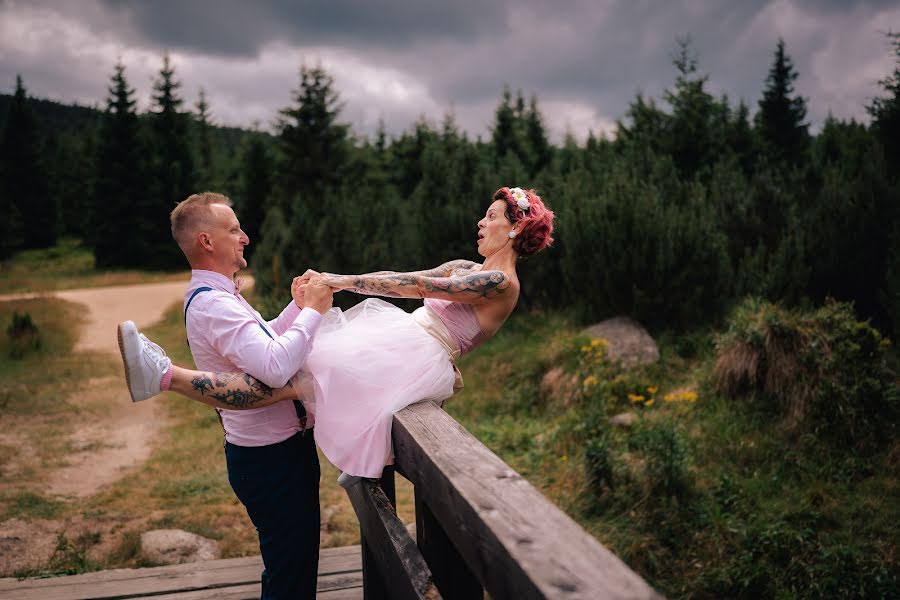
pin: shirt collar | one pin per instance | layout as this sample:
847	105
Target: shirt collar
214	280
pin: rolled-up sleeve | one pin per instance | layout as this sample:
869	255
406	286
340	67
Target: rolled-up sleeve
241	339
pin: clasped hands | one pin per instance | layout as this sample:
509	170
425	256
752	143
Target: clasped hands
313	290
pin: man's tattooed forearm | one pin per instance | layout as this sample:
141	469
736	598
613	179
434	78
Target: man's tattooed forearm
201	383
236	392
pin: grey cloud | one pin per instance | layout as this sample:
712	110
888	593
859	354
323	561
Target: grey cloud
239	28
589	52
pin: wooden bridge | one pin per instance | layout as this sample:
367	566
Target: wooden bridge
480	527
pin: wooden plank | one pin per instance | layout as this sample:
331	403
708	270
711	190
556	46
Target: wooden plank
216	574
518	543
330	586
402	570
452	575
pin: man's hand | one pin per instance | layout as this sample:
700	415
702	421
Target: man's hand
298	287
318	296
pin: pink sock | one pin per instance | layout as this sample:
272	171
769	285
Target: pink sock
166	380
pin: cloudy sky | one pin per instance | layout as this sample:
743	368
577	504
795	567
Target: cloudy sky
396	60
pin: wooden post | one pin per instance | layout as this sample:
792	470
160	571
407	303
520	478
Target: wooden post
453	579
374	587
393	565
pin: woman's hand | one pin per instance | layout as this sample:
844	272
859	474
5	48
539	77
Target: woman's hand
336	282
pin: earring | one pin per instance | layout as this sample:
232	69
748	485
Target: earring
512	234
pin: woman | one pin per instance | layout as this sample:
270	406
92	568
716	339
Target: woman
374	359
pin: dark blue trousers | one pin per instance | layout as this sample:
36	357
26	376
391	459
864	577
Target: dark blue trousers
279	486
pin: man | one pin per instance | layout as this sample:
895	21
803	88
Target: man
272	463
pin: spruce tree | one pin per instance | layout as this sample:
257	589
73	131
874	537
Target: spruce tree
504	132
310	170
694	134
313	143
885	112
173	167
536	134
121	213
24	178
207	174
780	120
255	187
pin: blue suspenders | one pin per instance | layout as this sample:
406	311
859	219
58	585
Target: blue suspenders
298	406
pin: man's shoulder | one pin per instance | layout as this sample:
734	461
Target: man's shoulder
198	300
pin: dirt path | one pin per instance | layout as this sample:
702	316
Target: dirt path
104	450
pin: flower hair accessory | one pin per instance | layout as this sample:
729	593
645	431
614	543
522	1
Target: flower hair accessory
521	199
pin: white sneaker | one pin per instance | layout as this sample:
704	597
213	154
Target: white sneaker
348	481
145	362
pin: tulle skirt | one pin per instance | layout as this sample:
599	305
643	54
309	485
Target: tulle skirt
367	363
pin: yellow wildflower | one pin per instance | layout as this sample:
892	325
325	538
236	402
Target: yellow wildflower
669	397
589	381
635	397
649	402
652	390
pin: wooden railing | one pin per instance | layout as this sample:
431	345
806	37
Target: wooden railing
479	527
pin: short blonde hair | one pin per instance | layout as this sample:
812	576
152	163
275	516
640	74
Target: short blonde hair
193	214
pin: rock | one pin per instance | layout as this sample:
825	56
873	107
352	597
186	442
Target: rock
629	343
174	546
623	419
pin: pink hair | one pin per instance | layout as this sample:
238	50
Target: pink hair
535	224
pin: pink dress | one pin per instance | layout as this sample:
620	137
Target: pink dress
371	361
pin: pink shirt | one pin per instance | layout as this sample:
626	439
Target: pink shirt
225	334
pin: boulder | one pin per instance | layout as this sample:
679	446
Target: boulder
629	343
175	546
623	419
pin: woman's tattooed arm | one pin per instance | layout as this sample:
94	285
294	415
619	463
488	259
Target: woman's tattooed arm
470	287
453	267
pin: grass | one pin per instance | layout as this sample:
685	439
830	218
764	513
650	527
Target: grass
36	414
68	265
738	510
705	499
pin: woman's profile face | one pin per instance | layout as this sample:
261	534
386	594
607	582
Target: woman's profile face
493	229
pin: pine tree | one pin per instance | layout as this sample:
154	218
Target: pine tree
173	167
536	134
207	174
255	187
24	178
695	135
885	111
121	213
780	120
309	173
503	135
313	143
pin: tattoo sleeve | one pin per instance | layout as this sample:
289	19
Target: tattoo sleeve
236	390
453	267
471	287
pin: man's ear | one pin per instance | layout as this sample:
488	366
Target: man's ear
205	240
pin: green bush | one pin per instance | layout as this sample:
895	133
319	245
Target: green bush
821	371
23	336
630	249
796	557
666	455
